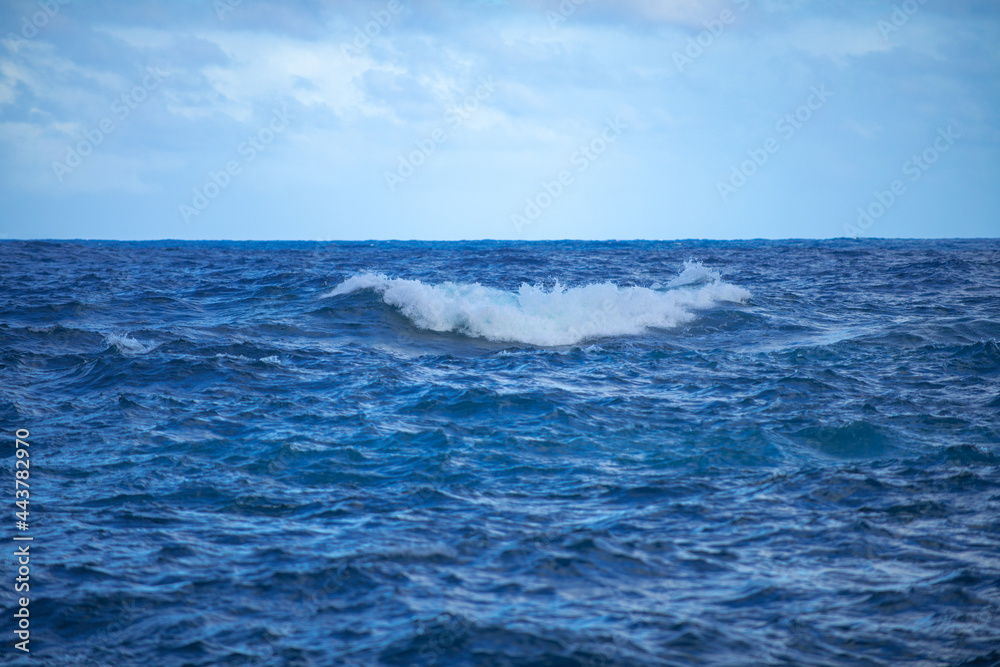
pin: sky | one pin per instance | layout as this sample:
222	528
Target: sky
499	119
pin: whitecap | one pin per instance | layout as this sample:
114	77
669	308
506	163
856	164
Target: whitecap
127	345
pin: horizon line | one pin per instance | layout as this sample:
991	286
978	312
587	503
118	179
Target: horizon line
491	240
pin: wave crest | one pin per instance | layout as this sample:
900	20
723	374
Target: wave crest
559	316
127	345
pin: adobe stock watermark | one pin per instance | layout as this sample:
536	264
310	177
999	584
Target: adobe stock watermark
31	26
582	159
426	147
914	168
562	13
218	181
381	19
900	16
121	108
714	28
786	126
223	7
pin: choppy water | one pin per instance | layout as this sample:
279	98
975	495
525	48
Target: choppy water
777	453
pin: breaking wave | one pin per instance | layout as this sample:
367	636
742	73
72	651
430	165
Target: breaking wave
561	315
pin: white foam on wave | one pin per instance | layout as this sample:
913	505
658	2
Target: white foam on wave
696	273
559	316
127	345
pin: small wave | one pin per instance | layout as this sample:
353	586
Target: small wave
127	345
272	360
560	316
859	439
232	357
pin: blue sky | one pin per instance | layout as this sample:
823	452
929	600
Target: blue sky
521	119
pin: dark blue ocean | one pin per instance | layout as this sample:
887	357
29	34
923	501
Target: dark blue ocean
500	453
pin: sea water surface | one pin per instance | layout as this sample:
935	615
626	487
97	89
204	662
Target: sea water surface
501	453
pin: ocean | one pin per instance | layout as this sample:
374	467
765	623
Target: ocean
503	453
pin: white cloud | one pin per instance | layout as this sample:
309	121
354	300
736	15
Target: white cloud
864	129
265	67
57	80
835	39
674	11
142	38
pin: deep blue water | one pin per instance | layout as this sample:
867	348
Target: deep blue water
779	453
